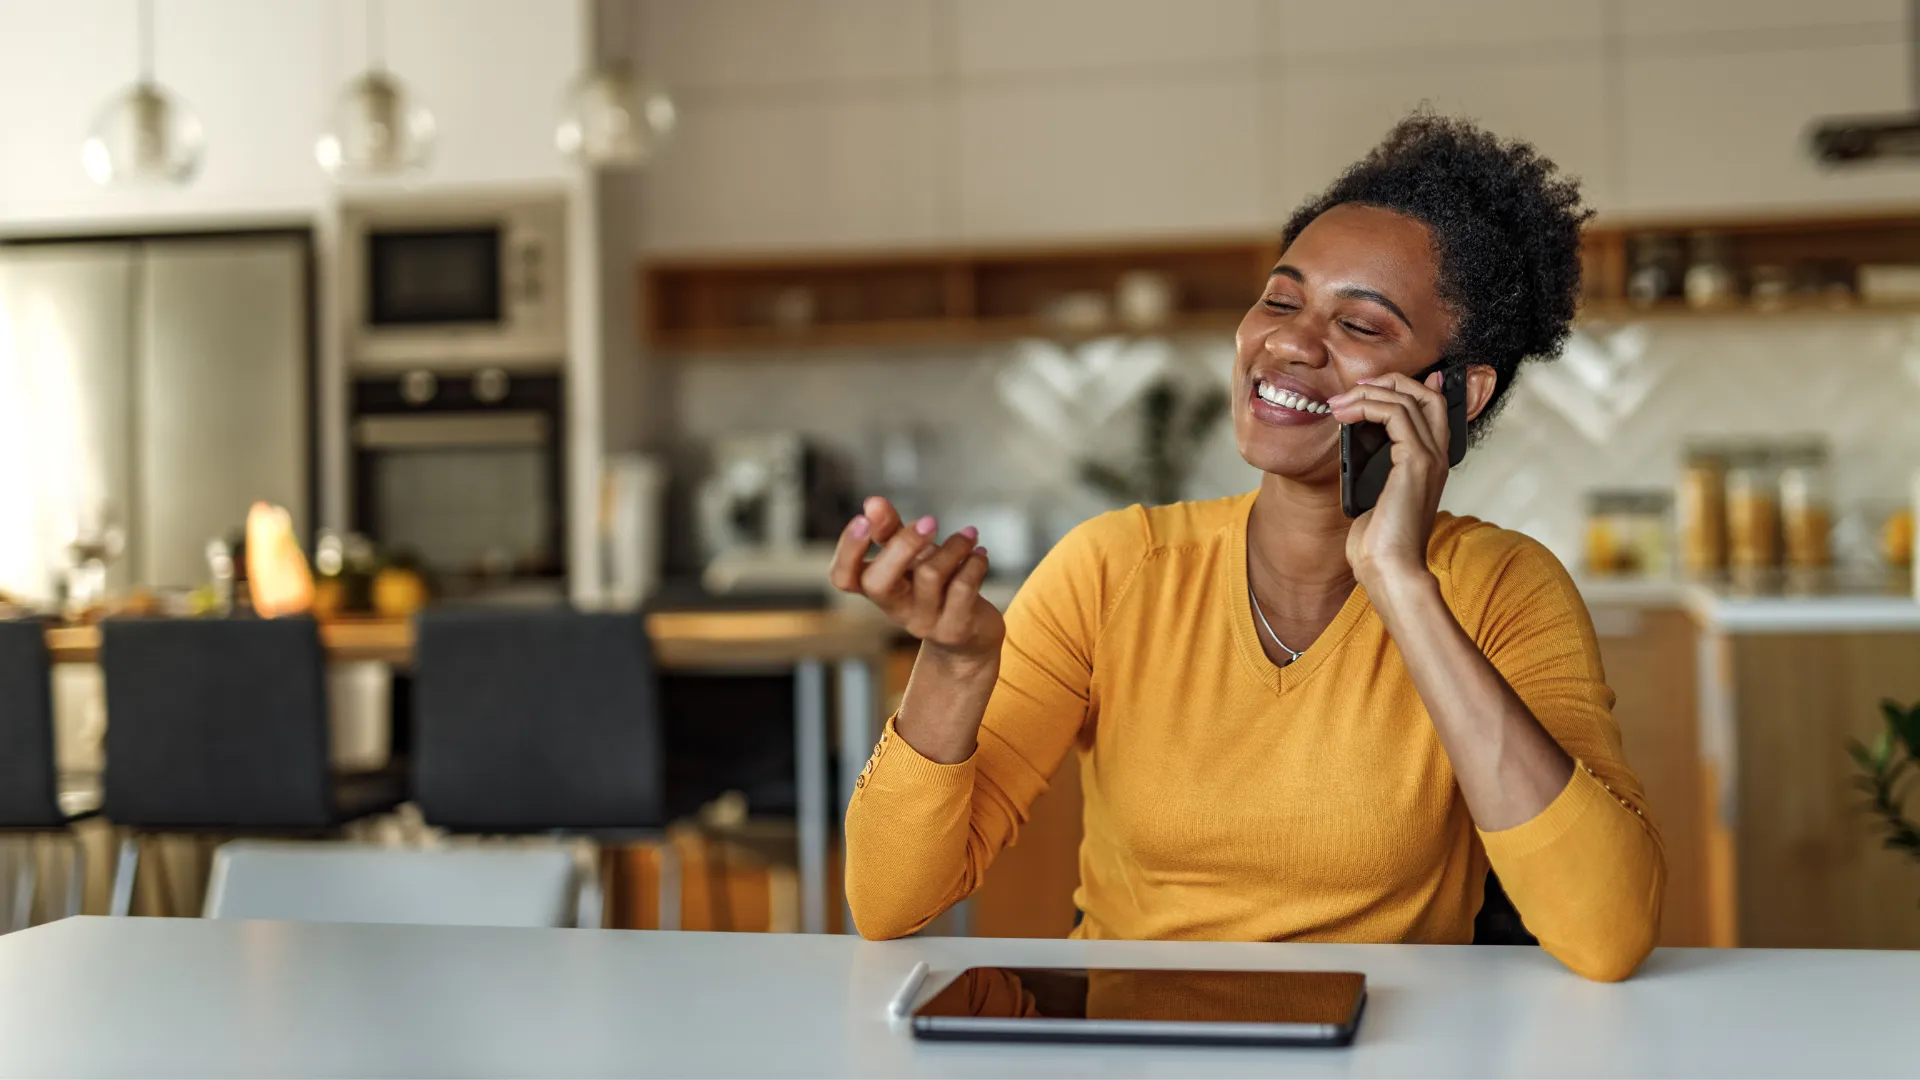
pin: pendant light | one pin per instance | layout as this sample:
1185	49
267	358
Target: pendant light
145	135
612	116
376	128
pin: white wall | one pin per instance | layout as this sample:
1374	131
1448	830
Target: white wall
261	75
864	123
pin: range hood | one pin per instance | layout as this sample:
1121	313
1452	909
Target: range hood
1848	140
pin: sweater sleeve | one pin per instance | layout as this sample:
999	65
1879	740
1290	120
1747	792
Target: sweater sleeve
1587	873
921	835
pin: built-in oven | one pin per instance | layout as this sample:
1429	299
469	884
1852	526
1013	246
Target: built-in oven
463	281
463	473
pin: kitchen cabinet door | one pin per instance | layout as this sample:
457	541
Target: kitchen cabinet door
1113	157
1725	132
66	410
224	382
798	172
1650	656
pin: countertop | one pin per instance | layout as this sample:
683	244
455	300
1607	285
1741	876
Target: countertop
681	639
192	997
1845	608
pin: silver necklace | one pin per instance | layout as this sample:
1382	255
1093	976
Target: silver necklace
1291	654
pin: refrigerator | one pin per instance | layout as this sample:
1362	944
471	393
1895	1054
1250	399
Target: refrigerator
167	380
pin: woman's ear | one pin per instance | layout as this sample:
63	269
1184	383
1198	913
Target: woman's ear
1481	379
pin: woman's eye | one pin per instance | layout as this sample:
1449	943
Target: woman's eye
1363	331
1280	305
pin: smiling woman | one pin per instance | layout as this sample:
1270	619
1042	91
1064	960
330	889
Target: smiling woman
1293	725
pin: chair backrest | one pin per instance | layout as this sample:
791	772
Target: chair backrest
216	723
363	883
1498	921
529	721
29	791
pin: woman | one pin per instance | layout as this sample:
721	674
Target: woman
1292	725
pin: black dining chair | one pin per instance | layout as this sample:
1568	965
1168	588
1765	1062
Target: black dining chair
1498	921
543	722
32	801
220	727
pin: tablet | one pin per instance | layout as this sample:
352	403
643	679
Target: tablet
1239	1008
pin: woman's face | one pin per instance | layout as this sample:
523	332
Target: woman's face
1356	295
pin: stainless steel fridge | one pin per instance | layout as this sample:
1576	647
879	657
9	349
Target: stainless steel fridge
167	379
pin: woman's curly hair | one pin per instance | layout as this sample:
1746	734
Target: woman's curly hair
1505	224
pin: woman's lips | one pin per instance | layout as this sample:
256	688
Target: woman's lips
1276	404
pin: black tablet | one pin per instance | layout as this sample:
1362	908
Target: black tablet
1123	1005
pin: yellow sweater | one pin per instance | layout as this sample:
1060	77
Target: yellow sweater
1229	799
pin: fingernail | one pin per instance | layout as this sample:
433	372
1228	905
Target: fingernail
872	505
861	526
970	533
979	551
924	526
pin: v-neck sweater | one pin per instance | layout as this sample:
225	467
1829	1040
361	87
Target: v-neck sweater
1227	798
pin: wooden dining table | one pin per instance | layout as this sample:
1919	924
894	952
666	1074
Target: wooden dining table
807	642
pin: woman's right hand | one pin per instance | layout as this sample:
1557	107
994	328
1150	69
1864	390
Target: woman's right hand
929	589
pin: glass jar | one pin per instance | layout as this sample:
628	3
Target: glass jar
1806	504
1753	510
1656	268
1701	501
1710	281
1627	532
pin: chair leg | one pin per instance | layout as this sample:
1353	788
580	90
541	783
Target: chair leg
25	879
123	873
76	875
669	885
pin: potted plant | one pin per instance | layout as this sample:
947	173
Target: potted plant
1885	763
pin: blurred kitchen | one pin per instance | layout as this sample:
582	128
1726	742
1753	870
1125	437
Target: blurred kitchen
510	303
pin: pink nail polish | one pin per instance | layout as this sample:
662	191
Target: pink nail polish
970	533
924	526
979	551
861	526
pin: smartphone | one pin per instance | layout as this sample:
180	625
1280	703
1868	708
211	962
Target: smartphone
1364	461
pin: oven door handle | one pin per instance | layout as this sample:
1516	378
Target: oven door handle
503	430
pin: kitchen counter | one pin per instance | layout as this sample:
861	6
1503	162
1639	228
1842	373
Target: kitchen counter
681	639
1848	608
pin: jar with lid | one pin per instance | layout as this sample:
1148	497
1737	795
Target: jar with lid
1656	268
1627	532
1753	510
1701	502
1710	281
1806	503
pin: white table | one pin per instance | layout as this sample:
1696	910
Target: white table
179	997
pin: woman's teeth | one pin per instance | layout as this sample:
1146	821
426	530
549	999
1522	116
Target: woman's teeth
1287	399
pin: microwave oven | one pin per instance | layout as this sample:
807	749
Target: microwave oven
456	281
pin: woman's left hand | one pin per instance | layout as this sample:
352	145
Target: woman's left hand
1389	542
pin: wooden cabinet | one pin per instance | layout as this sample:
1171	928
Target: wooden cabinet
1650	658
1797	851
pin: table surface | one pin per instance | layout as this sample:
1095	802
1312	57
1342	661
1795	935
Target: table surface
187	997
681	639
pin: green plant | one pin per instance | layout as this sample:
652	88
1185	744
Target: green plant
1173	425
1888	762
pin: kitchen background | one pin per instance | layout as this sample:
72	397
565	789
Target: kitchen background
690	390
864	125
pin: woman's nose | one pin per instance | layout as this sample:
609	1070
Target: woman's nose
1294	343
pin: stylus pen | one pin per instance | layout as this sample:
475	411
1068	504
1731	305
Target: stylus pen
902	1001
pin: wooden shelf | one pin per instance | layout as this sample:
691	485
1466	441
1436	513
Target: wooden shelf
968	296
1681	311
935	298
1810	254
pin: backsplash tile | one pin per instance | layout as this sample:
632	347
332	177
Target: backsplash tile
1614	415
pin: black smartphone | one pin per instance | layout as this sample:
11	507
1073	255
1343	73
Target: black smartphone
1364	461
